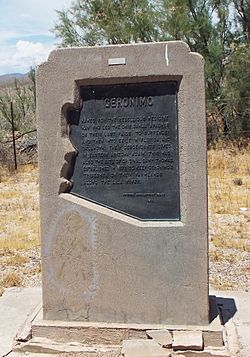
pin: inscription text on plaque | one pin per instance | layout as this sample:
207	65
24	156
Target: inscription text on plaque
126	137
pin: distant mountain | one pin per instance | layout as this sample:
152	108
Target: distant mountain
9	78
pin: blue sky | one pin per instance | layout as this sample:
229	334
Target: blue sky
25	37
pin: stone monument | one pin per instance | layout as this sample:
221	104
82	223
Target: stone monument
123	190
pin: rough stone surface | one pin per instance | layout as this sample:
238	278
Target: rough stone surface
143	348
98	264
45	345
213	338
162	337
112	333
187	340
24	333
16	305
210	352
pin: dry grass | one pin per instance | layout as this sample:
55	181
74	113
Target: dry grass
229	179
221	283
19	220
229	215
224	242
19	215
15	260
11	279
220	256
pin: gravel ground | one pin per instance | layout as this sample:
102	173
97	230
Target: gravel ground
229	264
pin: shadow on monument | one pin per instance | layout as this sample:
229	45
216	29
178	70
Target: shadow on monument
224	307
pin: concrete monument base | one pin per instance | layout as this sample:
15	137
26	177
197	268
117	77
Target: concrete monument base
48	336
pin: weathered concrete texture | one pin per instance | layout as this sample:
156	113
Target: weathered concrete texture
187	340
162	337
46	345
210	352
114	333
100	265
143	348
16	305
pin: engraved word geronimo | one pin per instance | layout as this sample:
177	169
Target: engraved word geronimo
127	148
129	102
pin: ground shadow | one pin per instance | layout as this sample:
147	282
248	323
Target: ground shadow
223	306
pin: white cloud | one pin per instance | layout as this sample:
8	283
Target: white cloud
25	36
24	55
30	51
28	48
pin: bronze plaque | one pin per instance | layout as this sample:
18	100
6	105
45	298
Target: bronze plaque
126	137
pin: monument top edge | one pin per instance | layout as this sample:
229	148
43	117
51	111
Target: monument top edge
62	50
176	46
171	58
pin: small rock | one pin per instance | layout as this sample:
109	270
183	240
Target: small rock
187	340
163	337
